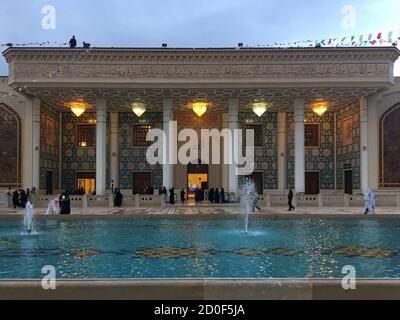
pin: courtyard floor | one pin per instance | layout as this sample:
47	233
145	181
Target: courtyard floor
211	210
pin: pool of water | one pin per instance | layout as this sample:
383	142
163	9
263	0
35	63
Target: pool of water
201	248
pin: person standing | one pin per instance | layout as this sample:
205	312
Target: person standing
72	42
182	196
216	196
24	199
211	195
65	203
223	195
112	186
172	196
118	198
15	200
290	200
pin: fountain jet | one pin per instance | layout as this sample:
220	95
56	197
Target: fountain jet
247	201
29	223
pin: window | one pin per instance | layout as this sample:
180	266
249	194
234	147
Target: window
311	135
86	135
139	135
258	139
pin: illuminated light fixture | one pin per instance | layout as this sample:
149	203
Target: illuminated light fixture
199	108
138	108
78	108
320	108
83	144
260	107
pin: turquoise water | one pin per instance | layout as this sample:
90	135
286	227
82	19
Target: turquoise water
199	248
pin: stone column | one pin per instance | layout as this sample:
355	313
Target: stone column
36	145
299	146
282	157
101	133
168	169
114	148
364	144
225	167
28	144
233	118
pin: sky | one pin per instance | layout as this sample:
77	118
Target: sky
193	23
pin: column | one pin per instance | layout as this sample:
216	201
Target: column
233	119
114	149
225	167
27	144
36	145
299	169
374	105
364	144
101	129
168	169
282	143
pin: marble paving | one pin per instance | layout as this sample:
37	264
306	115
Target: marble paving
209	210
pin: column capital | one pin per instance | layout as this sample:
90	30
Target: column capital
101	103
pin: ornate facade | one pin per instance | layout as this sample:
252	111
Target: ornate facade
354	144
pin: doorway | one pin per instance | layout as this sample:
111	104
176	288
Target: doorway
197	178
49	182
348	181
140	181
312	183
86	182
257	178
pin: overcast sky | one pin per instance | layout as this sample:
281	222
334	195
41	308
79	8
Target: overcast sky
192	23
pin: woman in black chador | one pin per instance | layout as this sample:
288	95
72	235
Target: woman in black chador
65	203
223	196
118	199
172	196
15	200
211	195
216	196
24	199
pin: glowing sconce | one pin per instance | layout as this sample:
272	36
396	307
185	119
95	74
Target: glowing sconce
199	108
260	107
320	108
138	108
78	108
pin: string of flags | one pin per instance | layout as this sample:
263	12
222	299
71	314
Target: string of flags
391	38
35	44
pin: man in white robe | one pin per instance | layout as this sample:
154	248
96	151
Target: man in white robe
369	202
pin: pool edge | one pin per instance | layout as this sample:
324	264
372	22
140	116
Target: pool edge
202	289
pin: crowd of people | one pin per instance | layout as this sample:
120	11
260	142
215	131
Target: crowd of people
20	197
62	204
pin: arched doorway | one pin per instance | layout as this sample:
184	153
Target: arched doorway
10	160
197	177
390	148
